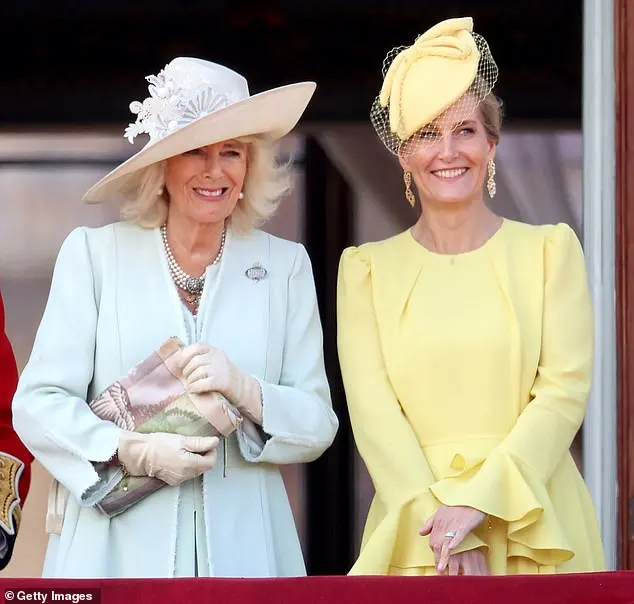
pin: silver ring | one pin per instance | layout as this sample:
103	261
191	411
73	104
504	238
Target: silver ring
450	534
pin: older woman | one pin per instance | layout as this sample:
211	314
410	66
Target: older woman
187	261
465	344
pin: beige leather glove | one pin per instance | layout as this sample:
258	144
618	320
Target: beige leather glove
171	458
208	369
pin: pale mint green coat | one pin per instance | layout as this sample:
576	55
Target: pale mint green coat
111	303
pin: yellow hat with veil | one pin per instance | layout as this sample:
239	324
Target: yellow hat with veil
428	79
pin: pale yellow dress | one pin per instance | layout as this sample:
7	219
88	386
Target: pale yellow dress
466	378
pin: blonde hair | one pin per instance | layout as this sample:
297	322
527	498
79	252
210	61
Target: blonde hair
491	114
265	183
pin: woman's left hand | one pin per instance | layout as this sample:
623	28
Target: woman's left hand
209	369
447	528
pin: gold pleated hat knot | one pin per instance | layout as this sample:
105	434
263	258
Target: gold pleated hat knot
423	80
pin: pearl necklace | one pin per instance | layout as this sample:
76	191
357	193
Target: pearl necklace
192	285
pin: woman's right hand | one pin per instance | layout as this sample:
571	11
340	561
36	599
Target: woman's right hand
171	458
472	562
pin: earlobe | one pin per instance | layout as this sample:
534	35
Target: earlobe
404	163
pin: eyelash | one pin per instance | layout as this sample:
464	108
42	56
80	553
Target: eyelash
430	134
228	152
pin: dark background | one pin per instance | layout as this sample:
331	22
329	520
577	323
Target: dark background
82	61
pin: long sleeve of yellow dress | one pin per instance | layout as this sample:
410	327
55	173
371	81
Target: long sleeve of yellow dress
384	437
511	483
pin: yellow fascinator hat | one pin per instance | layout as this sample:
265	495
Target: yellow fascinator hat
427	79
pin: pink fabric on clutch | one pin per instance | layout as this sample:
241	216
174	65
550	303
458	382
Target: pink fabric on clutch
153	398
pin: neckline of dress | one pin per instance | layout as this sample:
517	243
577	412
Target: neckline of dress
488	243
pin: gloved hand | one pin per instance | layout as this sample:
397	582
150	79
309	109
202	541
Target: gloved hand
208	369
172	458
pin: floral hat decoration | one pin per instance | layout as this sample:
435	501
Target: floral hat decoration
193	103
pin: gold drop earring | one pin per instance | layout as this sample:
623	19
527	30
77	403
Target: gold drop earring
409	194
491	179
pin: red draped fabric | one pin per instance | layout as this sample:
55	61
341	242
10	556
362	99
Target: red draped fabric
599	588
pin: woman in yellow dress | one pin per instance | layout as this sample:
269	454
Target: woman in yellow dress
465	344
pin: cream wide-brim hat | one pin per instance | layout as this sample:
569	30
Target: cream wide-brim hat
195	103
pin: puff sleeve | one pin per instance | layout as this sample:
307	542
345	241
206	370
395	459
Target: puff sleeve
385	439
511	483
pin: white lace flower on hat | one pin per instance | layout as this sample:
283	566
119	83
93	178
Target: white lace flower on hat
177	98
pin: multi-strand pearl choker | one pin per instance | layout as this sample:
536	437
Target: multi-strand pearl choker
192	285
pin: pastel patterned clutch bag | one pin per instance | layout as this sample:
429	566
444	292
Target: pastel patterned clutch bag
152	398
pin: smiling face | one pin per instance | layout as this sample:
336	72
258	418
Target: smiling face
204	185
449	165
